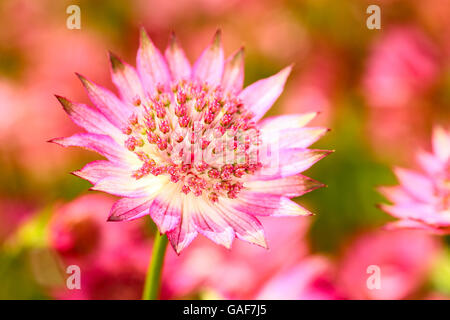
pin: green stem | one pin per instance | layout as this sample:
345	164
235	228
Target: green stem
153	279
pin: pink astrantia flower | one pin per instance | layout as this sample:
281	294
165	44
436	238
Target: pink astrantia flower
422	200
186	146
402	66
388	265
231	273
79	236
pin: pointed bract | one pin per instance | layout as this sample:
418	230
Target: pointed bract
261	95
179	65
233	75
126	80
151	66
209	67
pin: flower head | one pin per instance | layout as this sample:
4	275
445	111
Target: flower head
185	145
422	200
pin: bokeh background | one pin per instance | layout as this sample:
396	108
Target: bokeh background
380	92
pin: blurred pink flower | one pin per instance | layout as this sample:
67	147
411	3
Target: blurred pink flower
231	273
422	200
13	212
215	182
310	279
403	257
80	236
403	65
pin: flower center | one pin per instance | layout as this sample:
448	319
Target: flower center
202	138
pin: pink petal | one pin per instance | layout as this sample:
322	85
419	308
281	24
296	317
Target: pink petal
151	66
430	163
166	213
268	205
292	186
126	80
89	119
298	282
396	194
209	67
209	223
287	162
233	75
261	95
101	169
99	143
293	138
125	186
246	226
127	209
418	185
441	144
183	234
290	121
107	103
416	211
412	224
179	65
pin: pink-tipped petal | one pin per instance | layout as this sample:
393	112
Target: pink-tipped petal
166	212
183	234
101	169
430	163
418	185
396	194
414	225
151	65
292	186
209	223
99	143
89	119
261	95
288	162
233	74
245	226
293	138
127	209
107	103
209	67
290	121
418	211
179	65
268	205
126	80
125	186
